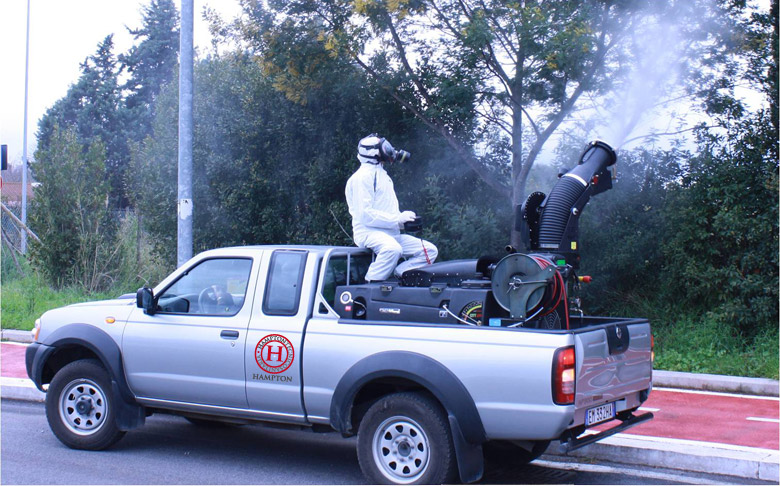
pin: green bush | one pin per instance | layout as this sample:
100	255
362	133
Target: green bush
705	346
26	293
70	215
25	299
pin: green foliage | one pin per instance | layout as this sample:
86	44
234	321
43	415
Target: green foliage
268	169
462	227
100	109
151	64
26	298
69	212
27	294
83	243
90	110
700	345
622	230
723	254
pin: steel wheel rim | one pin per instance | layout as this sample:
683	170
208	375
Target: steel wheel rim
83	407
401	449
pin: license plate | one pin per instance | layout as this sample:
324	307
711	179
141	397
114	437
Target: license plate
600	414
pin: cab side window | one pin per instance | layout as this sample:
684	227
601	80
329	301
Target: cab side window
283	288
212	287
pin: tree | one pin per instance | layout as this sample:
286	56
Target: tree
151	64
723	253
522	67
90	108
69	212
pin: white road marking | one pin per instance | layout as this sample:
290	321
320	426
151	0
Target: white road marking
762	419
717	394
622	470
692	443
648	409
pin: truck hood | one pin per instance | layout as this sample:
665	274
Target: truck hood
90	312
120	302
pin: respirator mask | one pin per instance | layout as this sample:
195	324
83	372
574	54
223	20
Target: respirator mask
377	148
391	155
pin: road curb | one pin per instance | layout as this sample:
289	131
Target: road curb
16	335
717	383
20	389
678	454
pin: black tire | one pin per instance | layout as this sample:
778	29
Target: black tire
502	452
405	438
80	406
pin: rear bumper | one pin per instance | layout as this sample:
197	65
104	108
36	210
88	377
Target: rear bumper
570	443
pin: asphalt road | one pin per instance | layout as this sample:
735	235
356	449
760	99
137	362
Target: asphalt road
170	450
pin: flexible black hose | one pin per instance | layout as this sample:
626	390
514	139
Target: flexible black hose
556	212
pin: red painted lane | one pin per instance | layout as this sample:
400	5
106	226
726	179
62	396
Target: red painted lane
711	418
12	360
681	415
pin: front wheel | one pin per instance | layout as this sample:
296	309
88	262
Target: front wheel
405	438
80	406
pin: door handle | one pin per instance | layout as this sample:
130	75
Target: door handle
225	334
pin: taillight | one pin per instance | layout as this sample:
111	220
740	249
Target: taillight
563	378
652	348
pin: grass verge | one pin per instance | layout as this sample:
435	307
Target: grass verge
25	299
706	347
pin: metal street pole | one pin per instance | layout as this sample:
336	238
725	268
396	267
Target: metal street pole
184	206
24	138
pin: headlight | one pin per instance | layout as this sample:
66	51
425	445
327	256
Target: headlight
36	330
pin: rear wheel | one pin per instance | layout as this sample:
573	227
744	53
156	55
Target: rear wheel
404	438
80	406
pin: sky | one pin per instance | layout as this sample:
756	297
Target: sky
62	34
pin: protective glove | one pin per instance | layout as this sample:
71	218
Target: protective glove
405	217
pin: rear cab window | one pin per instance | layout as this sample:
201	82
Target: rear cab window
283	287
344	269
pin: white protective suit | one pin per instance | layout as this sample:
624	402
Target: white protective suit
376	223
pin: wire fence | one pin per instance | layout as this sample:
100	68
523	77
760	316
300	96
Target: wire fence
11	198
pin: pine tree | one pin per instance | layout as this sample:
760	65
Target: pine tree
90	108
151	65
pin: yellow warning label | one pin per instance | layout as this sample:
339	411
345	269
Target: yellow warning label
573	245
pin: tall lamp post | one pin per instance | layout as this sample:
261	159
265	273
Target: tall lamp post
184	204
24	138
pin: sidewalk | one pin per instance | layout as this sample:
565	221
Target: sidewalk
663	442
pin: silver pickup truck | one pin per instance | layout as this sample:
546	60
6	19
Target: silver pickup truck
279	334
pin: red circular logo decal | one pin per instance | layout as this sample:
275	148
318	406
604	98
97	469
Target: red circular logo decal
274	353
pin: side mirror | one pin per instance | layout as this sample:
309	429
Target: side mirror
144	299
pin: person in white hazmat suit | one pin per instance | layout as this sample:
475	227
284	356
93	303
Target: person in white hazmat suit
376	218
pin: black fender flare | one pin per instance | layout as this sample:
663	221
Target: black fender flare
129	413
468	433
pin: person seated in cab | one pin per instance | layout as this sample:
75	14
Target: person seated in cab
376	218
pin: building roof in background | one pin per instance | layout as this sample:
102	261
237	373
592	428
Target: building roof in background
12	191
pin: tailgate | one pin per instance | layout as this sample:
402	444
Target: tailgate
614	366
